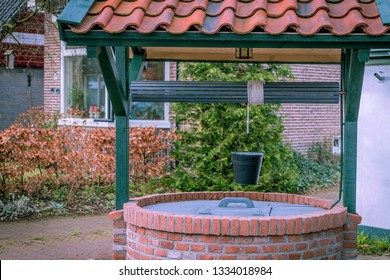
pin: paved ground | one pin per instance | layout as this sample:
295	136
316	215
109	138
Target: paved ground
60	238
72	238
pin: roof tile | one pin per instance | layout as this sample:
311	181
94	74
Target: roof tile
307	17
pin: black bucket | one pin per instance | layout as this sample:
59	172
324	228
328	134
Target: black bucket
246	167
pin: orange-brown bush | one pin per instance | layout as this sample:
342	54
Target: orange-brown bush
36	154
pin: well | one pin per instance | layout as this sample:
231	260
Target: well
142	232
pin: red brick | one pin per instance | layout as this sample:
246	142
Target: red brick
254	227
197	247
290	226
206	225
115	215
320	252
294	256
166	244
308	254
233	249
301	246
324	242
188	225
206	257
119	239
143	239
314	223
353	218
278	257
298	226
306	225
264	224
270	248
171	224
224	257
351	236
251	249
244	227
182	246
225	240
119	256
140	230
191	238
179	227
294	238
277	239
197	226
272	230
349	244
208	239
286	247
161	253
261	257
225	226
119	224
235	224
244	240
162	235
213	248
175	236
149	250
216	226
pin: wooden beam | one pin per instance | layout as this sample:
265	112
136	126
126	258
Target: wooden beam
226	40
353	73
112	79
122	133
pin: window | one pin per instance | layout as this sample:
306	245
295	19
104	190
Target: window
85	98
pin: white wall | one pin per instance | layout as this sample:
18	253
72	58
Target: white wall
373	175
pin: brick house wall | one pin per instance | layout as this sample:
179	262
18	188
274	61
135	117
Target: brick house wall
52	100
304	123
308	123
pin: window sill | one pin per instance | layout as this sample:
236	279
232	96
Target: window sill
91	123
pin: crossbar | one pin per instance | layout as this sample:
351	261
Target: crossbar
233	92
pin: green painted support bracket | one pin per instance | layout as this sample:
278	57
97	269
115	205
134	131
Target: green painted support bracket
354	73
75	11
112	79
384	11
137	63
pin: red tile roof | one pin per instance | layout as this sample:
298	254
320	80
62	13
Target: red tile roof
305	17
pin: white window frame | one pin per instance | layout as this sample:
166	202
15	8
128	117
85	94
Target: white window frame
89	122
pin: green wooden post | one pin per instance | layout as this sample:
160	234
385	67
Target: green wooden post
354	72
122	133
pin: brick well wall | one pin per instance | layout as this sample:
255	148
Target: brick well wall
328	234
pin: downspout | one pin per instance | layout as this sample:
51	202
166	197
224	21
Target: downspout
342	94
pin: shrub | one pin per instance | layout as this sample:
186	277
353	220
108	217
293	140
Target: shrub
39	158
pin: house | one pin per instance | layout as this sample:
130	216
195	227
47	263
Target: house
21	60
373	177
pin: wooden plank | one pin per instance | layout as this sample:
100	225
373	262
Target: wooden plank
384	11
75	11
230	92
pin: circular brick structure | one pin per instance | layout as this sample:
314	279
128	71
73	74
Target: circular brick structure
141	233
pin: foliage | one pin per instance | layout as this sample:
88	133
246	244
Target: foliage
204	151
19	208
322	153
372	245
74	165
314	175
